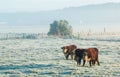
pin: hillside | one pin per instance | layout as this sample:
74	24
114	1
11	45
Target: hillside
100	14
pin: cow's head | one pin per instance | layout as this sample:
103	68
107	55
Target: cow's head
65	49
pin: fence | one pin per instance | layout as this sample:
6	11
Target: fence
5	36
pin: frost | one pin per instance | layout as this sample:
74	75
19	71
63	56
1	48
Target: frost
44	58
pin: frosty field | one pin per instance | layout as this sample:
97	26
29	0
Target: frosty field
44	58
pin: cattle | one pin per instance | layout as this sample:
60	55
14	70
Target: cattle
91	55
69	50
79	55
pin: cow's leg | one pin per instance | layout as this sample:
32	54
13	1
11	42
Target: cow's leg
98	62
90	62
73	56
66	55
78	63
79	60
83	62
93	62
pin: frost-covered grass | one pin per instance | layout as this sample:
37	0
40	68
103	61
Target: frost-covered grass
44	58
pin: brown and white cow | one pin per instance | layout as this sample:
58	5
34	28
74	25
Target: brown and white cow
69	50
91	55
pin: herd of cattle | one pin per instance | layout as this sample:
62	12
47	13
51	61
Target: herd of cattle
88	55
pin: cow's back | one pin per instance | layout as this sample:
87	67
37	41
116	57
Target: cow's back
71	48
92	53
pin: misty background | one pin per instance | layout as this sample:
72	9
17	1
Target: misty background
36	16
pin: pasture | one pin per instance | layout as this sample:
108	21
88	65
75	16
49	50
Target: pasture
44	58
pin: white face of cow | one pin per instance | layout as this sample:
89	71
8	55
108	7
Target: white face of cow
86	58
65	50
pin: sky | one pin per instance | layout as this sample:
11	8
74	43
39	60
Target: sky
44	5
8	6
